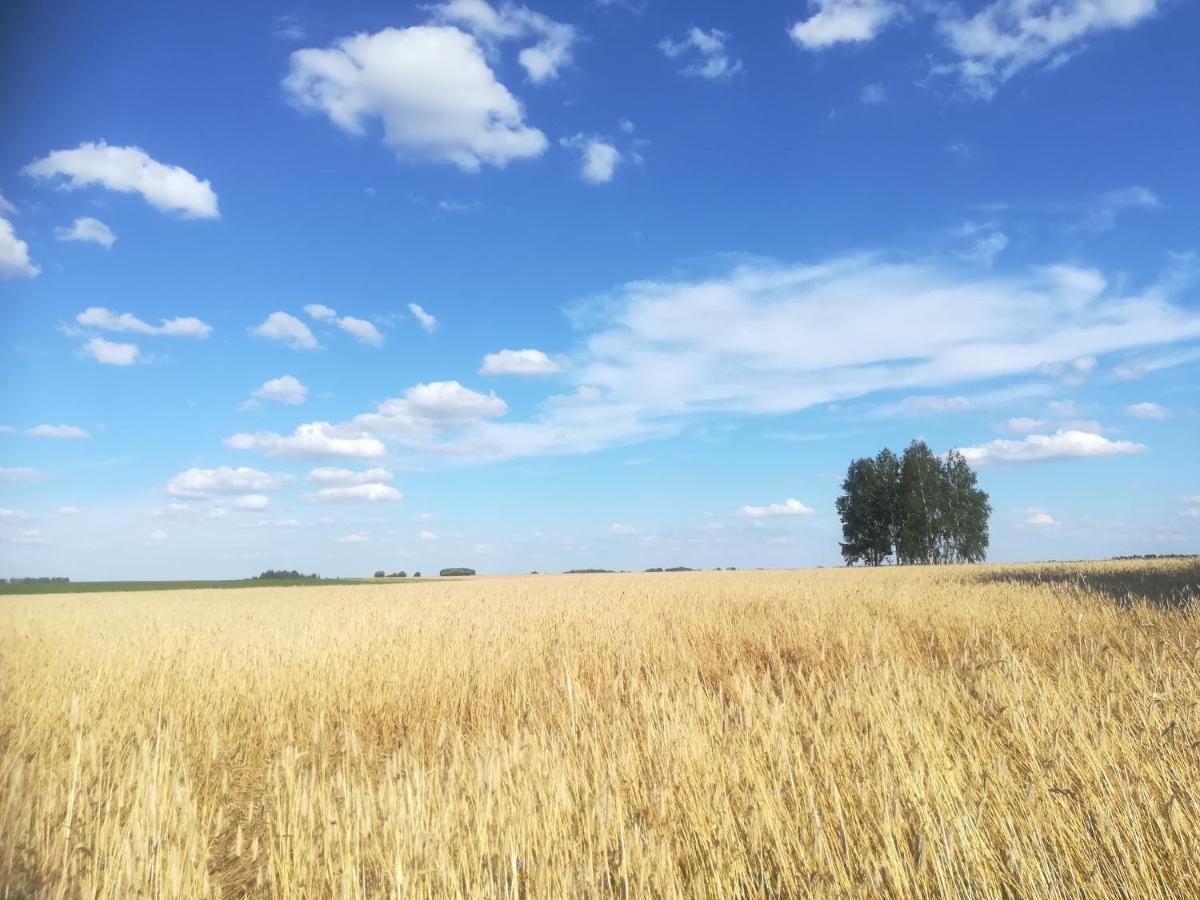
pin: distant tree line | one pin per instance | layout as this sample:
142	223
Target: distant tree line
457	571
383	574
284	575
918	509
42	580
1158	556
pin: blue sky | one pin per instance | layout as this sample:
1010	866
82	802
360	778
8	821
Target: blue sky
612	284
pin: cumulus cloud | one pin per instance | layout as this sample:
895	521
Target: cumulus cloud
312	440
196	482
57	431
518	362
356	537
789	507
844	21
426	320
12	515
319	311
1007	37
431	89
281	326
427	536
371	492
1063	444
361	329
425	408
106	320
129	170
1147	411
510	21
284	389
618	528
598	159
1042	519
706	52
88	230
110	353
14	254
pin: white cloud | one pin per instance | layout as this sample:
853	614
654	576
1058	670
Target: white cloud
288	28
106	320
431	89
1147	411
707	49
312	440
130	170
12	515
284	389
427	320
598	159
363	330
370	492
319	311
985	248
1006	37
1104	208
1042	519
844	21
14	254
335	476
424	408
7	208
427	536
789	507
518	362
356	537
492	25
110	353
19	473
68	510
158	536
618	528
196	482
89	230
770	338
1063	444
874	94
57	431
281	326
252	502
1192	513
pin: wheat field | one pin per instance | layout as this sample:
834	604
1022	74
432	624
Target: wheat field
959	731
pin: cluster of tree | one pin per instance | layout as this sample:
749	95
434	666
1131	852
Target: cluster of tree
672	569
588	571
42	580
457	571
284	575
383	574
917	509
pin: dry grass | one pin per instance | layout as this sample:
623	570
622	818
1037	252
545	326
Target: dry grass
907	733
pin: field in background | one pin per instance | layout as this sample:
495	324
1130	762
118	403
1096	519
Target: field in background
984	731
110	587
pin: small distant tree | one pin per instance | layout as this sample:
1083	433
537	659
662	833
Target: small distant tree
381	574
416	574
401	574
